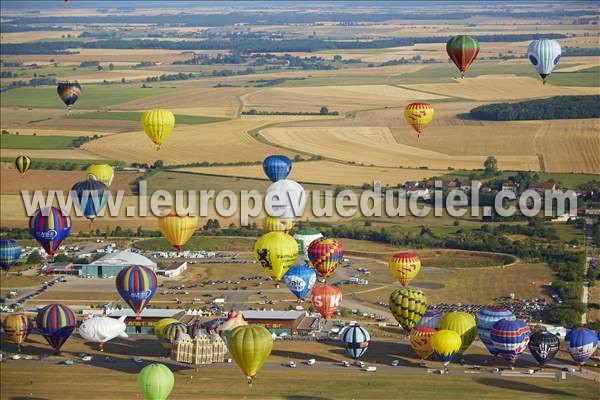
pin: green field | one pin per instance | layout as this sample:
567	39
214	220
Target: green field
586	77
35	142
211	243
135	116
92	96
40	163
569	180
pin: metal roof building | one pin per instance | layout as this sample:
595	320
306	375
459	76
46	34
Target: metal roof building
111	264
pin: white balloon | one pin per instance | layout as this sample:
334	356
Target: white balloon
285	199
304	239
102	329
544	55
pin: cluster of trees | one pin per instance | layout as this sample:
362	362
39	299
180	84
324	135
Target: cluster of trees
41	81
578	51
40	47
182	76
323	111
558	107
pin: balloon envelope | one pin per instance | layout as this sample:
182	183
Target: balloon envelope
277	167
510	338
158	124
543	346
418	115
274	224
101	172
50	227
177	229
136	285
156	381
102	329
581	344
16	327
420	341
431	318
445	345
462	323
300	279
69	92
356	340
462	50
23	163
160	326
486	318
304	239
544	55
285	199
405	266
56	323
10	251
276	252
325	255
326	299
250	346
90	197
408	306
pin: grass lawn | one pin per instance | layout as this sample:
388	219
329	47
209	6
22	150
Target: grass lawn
584	77
92	96
79	164
35	142
136	116
210	243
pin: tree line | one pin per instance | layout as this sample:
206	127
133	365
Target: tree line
558	107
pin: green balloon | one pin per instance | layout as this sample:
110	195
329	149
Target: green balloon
250	346
156	382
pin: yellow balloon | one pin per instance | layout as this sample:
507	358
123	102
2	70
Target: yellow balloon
276	252
462	323
250	346
158	124
160	326
445	345
274	224
177	229
101	172
418	115
405	266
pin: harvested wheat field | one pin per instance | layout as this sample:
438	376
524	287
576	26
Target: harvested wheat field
103	55
327	172
500	87
60	130
17	117
67	154
336	98
117	75
78	127
23	37
378	146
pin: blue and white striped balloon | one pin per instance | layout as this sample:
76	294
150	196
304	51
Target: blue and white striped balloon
486	318
510	338
544	55
356	340
581	344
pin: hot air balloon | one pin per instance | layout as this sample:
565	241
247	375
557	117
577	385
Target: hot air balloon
23	163
160	326
544	54
50	227
56	323
304	239
285	199
300	279
325	255
158	124
405	266
101	172
445	345
102	329
69	92
581	344
543	346
326	299
431	318
418	115
136	285
420	341
274	224
177	229
510	338
485	319
277	167
90	197
17	328
250	346
408	306
356	340
276	251
234	319
462	50
156	381
171	332
10	251
462	323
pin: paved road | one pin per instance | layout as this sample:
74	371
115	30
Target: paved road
589	246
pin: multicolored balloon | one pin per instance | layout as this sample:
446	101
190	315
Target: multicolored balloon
356	340
69	92
544	55
23	163
405	266
510	338
462	323
304	239
177	229
136	285
418	115
156	382
326	299
420	341
90	197
462	50
543	346
274	224
17	328
485	319
250	346
300	279
431	318
171	333
158	124
277	167
445	345
160	326
408	306
50	227
581	344
10	251
276	252
56	323
325	255
101	172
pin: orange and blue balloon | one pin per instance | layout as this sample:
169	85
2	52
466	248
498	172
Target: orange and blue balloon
10	251
69	92
510	338
277	167
50	227
56	322
136	285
